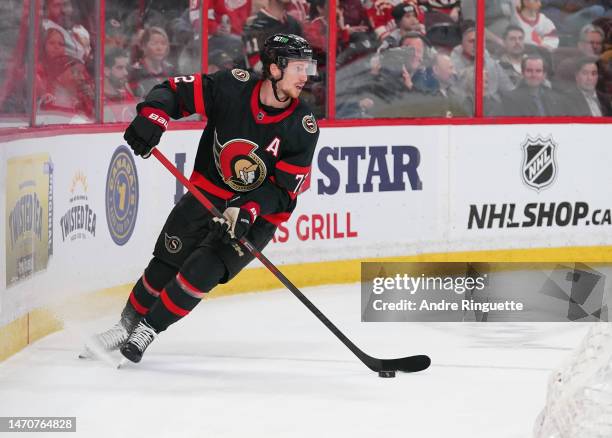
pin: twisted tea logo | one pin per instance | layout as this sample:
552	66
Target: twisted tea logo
121	195
539	167
173	244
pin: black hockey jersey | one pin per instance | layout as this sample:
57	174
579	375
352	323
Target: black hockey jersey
259	161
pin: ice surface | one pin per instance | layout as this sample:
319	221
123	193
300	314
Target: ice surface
261	365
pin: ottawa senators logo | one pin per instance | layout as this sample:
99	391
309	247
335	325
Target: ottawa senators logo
238	165
241	75
309	123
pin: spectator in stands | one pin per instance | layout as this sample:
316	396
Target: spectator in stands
439	79
238	11
268	21
591	40
300	10
414	45
152	68
372	93
219	22
401	62
539	29
225	23
408	19
572	15
442	11
492	102
380	16
53	48
360	45
435	91
498	15
605	74
59	15
354	15
352	20
585	99
422	50
590	44
114	34
464	58
71	90
315	28
514	49
119	101
532	97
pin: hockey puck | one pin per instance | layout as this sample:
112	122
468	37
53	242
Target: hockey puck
386	374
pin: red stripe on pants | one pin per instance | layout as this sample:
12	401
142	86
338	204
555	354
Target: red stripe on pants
139	307
173	308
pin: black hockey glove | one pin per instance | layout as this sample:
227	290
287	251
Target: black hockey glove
145	131
234	225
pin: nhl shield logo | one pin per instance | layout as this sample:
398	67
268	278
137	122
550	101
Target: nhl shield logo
539	164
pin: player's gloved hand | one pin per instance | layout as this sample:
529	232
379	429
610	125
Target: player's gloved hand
145	131
235	223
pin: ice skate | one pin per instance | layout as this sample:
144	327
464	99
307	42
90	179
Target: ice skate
111	339
138	341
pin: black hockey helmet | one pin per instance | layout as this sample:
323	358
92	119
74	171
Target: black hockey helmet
280	48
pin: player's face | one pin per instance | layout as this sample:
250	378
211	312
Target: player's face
294	78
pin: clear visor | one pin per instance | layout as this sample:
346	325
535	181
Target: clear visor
300	66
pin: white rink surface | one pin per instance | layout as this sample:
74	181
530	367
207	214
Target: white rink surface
260	365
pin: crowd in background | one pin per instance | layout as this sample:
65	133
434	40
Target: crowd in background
542	58
395	58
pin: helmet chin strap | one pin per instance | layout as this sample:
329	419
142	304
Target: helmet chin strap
274	89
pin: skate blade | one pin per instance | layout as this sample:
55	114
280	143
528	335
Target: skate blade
97	351
86	355
122	363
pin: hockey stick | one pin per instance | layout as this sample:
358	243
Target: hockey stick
408	364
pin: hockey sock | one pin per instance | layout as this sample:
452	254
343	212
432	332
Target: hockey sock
147	289
183	293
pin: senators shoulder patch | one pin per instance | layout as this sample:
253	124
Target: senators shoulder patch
309	123
241	75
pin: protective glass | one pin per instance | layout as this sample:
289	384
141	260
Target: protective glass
300	66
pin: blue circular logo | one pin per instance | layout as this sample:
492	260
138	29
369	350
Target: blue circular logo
121	195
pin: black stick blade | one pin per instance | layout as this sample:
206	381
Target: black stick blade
410	364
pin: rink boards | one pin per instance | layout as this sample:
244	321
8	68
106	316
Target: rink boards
81	214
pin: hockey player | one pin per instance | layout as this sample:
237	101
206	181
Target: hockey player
253	160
